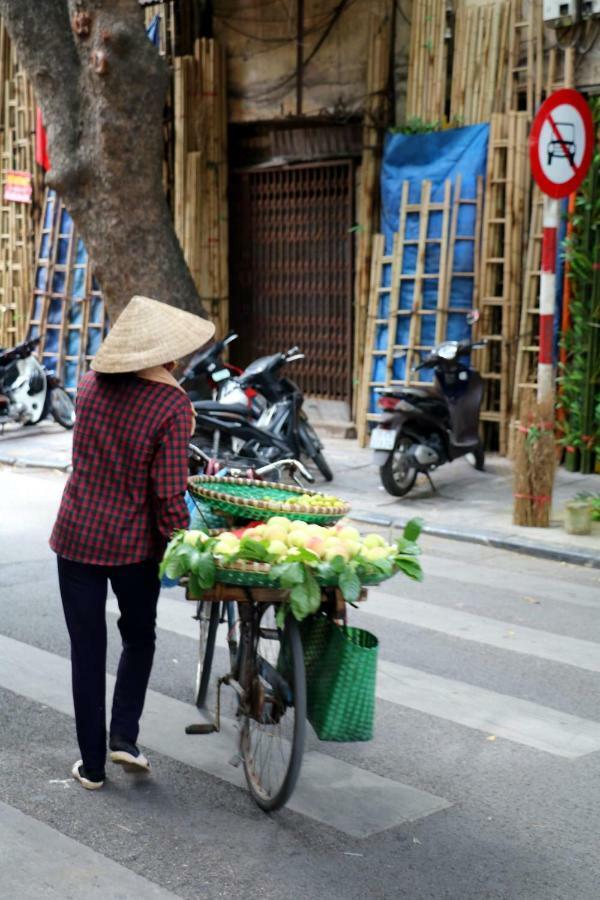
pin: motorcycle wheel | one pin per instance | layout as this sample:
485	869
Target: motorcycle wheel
62	408
312	447
397	475
477	458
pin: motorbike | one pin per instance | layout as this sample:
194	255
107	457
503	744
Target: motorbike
257	413
28	391
427	426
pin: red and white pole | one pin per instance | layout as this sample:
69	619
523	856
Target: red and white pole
547	305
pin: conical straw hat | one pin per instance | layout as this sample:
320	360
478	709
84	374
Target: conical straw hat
149	333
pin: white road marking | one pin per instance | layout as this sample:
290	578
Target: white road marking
520	721
558	588
40	862
483	630
353	800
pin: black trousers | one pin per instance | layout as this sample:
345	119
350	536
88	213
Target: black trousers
83	590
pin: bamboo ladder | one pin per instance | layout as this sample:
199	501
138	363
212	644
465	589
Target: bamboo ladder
387	292
502	247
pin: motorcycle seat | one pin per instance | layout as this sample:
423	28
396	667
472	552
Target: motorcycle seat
208	406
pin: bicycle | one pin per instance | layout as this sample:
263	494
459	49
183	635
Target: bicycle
267	675
271	705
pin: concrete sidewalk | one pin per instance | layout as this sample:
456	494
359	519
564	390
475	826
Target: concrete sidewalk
467	505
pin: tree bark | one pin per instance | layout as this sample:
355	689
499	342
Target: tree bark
101	87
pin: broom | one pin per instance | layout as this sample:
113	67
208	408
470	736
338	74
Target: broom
534	461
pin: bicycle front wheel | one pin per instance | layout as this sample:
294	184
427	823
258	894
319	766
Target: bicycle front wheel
273	729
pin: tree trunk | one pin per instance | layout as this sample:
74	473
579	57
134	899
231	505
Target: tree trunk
101	87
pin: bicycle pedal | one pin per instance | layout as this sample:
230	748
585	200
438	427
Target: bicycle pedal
235	761
201	728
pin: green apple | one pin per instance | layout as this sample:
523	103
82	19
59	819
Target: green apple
347	532
278	548
194	537
280	522
374	540
374	553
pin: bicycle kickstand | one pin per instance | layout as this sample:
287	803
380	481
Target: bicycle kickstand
210	727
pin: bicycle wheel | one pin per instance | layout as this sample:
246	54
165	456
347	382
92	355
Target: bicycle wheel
208	621
273	730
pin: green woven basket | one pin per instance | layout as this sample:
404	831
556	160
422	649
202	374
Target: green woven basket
253	574
259	500
341	668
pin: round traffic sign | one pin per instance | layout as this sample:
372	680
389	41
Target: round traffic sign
561	143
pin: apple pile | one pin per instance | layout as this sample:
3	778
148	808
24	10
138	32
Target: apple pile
284	539
300	558
316	500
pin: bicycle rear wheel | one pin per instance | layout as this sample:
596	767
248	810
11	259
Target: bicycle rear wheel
273	731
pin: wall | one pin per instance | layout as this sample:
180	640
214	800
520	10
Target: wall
260	36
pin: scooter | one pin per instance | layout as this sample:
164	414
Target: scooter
426	427
257	413
283	416
28	391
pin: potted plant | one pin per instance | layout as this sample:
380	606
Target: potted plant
578	515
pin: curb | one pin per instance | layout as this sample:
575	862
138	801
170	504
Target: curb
487	539
493	539
25	463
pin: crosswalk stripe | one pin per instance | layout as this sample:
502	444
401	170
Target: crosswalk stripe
40	862
491	632
520	721
557	588
346	797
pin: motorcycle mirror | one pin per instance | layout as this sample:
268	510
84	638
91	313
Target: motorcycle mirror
473	317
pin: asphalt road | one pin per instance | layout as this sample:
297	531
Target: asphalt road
482	783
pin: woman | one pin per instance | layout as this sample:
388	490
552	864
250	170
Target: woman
121	504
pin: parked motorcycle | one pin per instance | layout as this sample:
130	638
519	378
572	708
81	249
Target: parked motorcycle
28	391
428	426
258	413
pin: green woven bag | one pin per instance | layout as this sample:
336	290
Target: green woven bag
341	668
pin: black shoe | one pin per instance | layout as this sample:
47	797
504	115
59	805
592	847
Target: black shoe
91	781
127	754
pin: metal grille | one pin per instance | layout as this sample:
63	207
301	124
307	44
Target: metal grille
291	270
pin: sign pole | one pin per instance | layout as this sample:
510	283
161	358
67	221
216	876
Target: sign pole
560	151
545	389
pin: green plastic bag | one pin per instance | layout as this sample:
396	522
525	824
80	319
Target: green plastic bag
341	669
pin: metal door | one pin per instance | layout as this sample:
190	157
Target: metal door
291	270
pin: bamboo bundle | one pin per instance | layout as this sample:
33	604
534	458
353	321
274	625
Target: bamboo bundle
426	92
201	212
17	225
375	119
535	461
479	62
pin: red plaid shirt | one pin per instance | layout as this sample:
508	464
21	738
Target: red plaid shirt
125	495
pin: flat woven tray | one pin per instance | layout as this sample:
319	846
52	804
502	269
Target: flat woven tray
259	500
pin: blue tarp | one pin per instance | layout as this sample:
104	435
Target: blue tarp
434	157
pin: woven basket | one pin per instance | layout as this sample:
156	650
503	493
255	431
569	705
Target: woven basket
341	668
254	574
244	573
259	500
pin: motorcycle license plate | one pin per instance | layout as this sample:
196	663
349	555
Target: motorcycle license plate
383	439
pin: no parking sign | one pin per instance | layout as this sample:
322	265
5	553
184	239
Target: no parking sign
560	152
561	143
